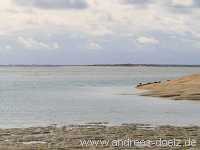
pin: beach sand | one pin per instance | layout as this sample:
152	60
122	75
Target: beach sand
68	137
185	88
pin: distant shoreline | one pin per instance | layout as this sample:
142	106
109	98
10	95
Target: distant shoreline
105	65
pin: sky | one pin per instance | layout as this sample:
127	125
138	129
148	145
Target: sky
66	32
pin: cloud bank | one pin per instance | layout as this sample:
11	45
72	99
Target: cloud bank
53	4
91	31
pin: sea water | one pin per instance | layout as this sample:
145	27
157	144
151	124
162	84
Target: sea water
39	96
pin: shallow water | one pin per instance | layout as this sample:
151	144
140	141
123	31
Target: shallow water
37	96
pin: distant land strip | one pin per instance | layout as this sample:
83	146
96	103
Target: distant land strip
104	65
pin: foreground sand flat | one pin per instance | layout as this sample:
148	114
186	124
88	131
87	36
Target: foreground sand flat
185	88
68	138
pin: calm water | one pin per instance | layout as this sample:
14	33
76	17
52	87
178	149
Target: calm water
34	96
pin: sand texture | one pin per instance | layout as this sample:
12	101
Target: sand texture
185	88
68	138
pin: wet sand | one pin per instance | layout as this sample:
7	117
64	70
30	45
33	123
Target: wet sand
68	137
185	88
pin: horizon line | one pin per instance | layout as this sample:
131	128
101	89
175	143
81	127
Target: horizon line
129	64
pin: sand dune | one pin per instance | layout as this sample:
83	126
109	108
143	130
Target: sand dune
185	88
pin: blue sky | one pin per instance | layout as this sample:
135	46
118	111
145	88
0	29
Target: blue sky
99	31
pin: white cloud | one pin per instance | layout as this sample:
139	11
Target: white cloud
101	18
53	4
147	40
30	43
8	47
94	46
183	2
56	45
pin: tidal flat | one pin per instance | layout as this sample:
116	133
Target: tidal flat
72	137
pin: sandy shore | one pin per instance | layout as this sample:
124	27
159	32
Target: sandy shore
185	88
68	138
